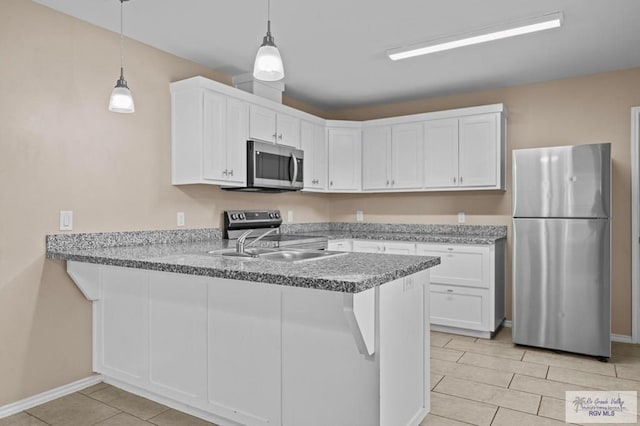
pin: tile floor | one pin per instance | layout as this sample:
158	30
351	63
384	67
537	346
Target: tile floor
473	381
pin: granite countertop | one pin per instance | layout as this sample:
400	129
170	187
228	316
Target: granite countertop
186	252
446	234
349	273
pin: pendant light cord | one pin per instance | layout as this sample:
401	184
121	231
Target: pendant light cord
268	17
121	39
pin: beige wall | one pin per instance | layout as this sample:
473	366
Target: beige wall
579	110
61	149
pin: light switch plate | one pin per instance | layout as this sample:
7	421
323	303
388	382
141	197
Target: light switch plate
66	220
289	216
461	217
180	218
359	215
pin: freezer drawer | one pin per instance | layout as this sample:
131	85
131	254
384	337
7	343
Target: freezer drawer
567	182
561	284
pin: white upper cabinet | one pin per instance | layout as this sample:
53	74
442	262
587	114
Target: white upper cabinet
465	153
271	126
441	153
461	149
407	144
209	138
345	159
376	153
392	157
479	150
314	145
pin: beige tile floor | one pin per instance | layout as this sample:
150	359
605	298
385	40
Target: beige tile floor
473	381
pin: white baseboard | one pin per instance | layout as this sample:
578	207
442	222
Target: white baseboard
50	395
614	337
621	338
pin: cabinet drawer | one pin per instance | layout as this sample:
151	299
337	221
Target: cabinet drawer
459	265
459	307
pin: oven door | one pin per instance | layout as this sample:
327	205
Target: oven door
274	166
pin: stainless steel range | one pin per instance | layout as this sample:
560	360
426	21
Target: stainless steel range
255	224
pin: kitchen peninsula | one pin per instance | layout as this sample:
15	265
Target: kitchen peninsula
342	340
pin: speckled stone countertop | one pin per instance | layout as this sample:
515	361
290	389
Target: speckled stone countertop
447	234
180	253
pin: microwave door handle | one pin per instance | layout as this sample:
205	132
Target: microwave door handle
295	169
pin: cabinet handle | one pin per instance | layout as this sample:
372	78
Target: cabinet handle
331	183
454	179
449	291
231	172
450	248
387	183
280	136
274	136
460	179
393	182
224	172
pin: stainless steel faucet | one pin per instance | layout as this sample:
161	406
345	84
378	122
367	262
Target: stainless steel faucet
240	244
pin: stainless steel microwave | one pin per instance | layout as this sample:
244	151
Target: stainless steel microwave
273	168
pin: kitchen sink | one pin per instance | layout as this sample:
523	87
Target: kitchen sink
278	254
299	255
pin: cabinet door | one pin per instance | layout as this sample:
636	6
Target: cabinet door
376	147
368	246
236	141
262	124
214	135
407	156
345	159
459	307
441	153
479	149
460	265
319	157
399	248
315	156
288	130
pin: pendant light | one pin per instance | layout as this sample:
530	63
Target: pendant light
121	97
268	65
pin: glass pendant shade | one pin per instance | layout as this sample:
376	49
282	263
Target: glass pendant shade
121	97
268	65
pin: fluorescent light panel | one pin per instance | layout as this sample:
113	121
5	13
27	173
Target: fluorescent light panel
541	23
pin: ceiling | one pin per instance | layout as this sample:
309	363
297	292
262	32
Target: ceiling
334	50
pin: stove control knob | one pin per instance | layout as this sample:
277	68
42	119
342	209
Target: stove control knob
241	216
234	216
277	215
271	215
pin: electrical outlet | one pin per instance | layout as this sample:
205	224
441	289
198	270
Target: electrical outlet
289	216
180	218
359	215
461	217
66	220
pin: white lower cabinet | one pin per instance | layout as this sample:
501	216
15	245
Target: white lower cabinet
467	288
385	247
243	353
460	307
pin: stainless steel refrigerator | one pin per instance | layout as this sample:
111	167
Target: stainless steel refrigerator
562	248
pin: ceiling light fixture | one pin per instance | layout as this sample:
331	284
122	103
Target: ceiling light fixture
268	65
121	98
539	23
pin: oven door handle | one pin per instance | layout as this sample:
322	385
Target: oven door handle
295	169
